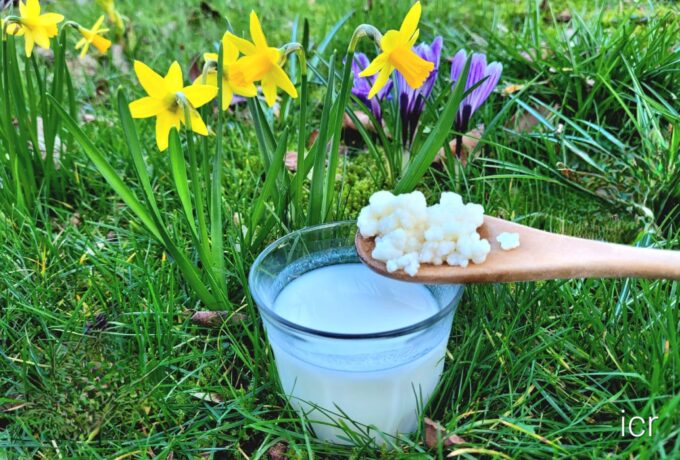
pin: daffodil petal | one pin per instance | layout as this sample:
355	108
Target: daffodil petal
410	23
209	78
152	83
227	96
269	91
210	57
391	40
256	31
229	51
146	107
81	43
102	44
164	123
380	80
28	44
30	9
244	46
245	91
50	19
200	94
173	80
197	124
98	24
282	80
375	66
40	37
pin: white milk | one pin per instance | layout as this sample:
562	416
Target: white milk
350	298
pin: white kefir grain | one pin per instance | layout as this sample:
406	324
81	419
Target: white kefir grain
508	241
408	232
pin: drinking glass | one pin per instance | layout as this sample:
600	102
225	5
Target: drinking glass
369	384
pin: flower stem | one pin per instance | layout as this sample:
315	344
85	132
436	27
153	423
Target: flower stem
364	30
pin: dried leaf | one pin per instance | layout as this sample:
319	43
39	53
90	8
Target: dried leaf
118	58
75	219
278	451
208	10
312	137
470	141
195	69
208	397
43	148
526	122
434	431
563	16
99	323
512	88
11	403
216	318
348	123
290	161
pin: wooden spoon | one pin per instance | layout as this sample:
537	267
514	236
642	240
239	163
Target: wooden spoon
540	256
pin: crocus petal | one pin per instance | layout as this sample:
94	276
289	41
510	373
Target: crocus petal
374	67
282	81
269	91
151	82
244	46
483	91
410	23
381	80
256	31
146	107
457	65
165	121
173	80
198	95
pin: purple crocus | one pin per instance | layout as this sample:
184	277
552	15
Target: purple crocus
362	86
479	70
412	101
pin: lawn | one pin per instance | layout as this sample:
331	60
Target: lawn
101	355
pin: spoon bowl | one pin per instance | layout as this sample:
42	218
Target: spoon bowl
540	256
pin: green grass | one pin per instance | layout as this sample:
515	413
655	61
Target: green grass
98	358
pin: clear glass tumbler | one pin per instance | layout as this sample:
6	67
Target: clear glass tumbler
347	384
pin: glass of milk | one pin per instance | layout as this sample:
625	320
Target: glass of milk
358	354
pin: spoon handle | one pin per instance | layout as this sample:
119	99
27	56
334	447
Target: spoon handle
609	260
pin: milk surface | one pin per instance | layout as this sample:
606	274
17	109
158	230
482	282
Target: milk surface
350	298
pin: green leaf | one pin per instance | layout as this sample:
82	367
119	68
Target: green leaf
428	151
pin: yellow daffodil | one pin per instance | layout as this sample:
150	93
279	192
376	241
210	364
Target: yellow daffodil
12	28
166	101
260	62
94	37
36	28
109	6
229	86
397	53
